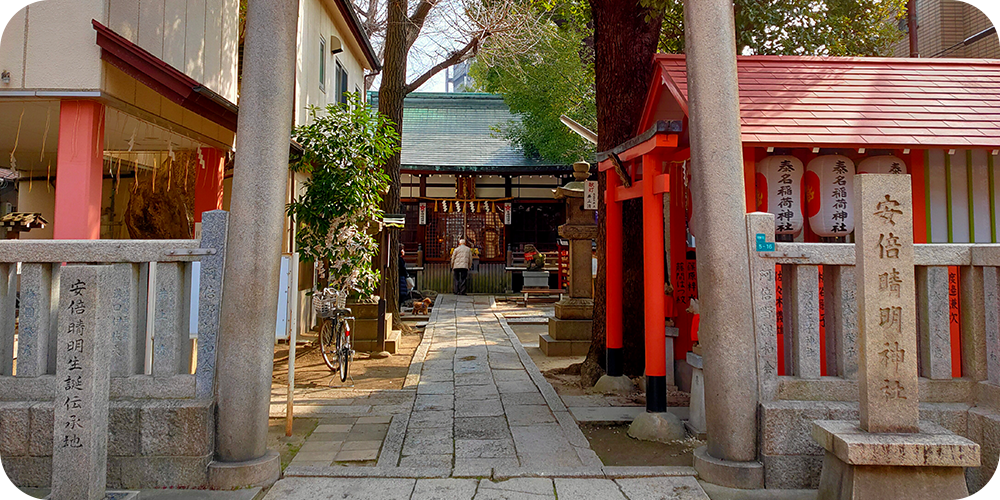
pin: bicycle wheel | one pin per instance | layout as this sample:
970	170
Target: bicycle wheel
328	344
343	348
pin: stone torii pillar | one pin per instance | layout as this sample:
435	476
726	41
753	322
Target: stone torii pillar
726	331
250	287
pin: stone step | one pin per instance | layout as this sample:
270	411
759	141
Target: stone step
570	329
553	347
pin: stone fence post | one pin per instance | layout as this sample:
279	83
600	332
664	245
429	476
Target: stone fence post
214	230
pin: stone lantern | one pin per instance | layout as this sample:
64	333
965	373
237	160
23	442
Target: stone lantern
569	330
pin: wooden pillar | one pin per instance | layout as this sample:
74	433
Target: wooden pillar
77	214
652	246
208	187
614	281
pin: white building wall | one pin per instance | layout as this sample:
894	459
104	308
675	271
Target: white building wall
318	19
197	37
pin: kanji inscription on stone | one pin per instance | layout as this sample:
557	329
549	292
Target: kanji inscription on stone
886	303
80	426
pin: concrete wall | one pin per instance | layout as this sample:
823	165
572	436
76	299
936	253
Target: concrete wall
51	44
198	37
41	198
319	19
943	23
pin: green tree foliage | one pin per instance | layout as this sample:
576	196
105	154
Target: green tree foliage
345	147
557	76
554	78
799	27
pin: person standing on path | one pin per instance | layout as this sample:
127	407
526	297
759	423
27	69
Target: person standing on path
461	261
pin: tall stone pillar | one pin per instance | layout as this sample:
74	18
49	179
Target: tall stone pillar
726	331
250	287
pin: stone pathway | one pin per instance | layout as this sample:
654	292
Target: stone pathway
482	422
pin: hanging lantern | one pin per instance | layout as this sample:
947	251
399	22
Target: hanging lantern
829	195
885	164
779	191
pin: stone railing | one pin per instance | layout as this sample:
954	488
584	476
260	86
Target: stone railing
790	401
801	265
160	377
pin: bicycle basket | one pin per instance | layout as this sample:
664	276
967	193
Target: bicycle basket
327	302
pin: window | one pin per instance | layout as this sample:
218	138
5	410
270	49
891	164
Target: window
341	90
322	63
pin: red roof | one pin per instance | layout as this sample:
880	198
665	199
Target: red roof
860	101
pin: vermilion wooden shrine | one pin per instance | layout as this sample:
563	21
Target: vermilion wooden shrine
935	119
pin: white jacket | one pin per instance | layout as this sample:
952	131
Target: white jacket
461	257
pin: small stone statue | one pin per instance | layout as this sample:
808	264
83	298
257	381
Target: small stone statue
534	259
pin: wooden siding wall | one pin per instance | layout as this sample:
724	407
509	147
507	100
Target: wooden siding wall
491	278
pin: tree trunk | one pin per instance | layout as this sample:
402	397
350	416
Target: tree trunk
624	44
391	93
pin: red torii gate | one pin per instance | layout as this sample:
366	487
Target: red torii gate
643	168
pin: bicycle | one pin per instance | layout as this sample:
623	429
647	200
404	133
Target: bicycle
335	332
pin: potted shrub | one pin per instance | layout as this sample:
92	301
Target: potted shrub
344	149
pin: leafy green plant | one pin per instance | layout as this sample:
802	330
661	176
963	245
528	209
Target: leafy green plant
345	147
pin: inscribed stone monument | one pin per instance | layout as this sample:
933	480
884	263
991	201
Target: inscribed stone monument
886	310
889	453
80	432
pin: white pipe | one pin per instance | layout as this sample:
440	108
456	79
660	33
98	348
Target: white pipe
582	131
293	327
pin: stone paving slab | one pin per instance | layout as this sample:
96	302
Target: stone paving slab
478	420
514	488
588	489
441	489
679	488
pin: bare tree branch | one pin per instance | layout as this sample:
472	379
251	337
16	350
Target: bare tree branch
456	57
417	21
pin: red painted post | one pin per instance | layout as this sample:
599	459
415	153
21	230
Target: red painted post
77	213
208	188
614	280
652	246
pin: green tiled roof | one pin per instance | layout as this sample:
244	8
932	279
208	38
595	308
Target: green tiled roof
455	132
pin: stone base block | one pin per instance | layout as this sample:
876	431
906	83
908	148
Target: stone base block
741	475
792	471
263	471
158	472
570	329
614	385
862	465
553	347
369	345
574	308
367	329
663	427
843	481
933	446
984	428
